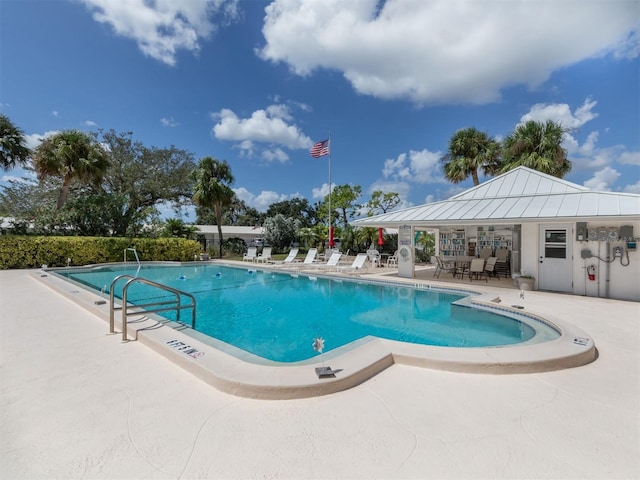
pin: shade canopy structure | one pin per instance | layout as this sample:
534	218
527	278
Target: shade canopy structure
521	195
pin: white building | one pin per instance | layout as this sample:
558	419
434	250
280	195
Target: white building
570	238
248	234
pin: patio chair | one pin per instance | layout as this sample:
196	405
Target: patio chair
393	260
251	255
293	253
503	264
490	266
485	252
311	256
442	266
265	256
356	266
463	264
331	263
374	257
476	269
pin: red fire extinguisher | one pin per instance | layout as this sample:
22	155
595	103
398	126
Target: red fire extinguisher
591	271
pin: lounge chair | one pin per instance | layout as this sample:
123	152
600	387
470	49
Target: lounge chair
476	269
293	253
356	266
311	256
331	263
251	255
265	256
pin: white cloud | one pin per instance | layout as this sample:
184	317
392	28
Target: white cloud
90	123
602	179
561	113
20	175
275	155
34	139
162	27
444	51
263	200
417	167
168	122
635	188
55	113
269	126
630	158
320	192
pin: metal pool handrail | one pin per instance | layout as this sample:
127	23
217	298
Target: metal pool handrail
175	304
135	253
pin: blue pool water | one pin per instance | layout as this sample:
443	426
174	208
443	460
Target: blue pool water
277	316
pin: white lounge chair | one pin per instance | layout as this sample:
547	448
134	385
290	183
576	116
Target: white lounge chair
251	255
331	263
356	266
311	256
293	253
265	256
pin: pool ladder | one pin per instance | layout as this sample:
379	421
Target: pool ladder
141	309
135	254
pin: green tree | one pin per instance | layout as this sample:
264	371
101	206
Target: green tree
21	198
343	203
140	178
13	145
72	155
212	189
425	245
280	231
537	145
470	151
239	213
175	227
366	236
306	236
298	208
382	202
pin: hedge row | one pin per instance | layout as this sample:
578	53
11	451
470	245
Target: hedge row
32	252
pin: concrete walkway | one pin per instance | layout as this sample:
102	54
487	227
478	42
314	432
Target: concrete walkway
77	403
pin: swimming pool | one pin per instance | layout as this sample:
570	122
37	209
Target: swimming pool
277	315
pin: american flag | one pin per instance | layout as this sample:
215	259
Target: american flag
320	149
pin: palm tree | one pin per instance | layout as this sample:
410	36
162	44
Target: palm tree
13	148
212	190
537	145
469	151
72	155
366	236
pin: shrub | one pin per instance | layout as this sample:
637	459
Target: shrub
32	252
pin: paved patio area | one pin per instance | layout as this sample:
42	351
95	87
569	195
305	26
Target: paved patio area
77	403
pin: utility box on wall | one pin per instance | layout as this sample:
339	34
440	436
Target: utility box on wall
581	231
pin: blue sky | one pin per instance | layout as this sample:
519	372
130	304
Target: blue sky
256	83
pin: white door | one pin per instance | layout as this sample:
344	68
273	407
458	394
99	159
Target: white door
555	270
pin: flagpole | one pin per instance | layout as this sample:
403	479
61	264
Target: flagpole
330	216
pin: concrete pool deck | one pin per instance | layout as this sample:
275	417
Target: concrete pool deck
77	403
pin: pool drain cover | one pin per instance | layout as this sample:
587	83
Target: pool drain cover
326	372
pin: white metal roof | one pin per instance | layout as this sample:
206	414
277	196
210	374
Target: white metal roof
231	230
519	196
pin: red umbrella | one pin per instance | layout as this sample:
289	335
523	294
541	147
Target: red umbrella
331	242
380	240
